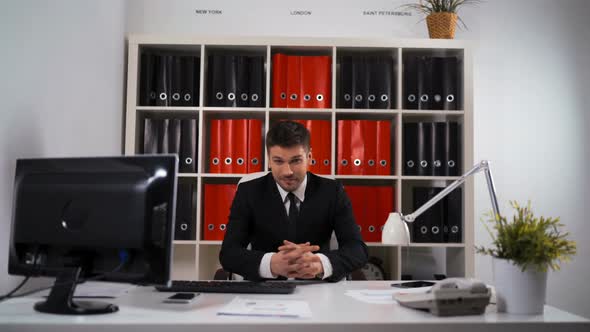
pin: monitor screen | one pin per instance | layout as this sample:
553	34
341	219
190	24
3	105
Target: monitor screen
111	217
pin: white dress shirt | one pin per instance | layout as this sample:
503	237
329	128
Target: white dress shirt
264	269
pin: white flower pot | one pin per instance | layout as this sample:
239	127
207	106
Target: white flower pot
518	292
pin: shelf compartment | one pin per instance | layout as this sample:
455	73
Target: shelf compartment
432	79
234	144
442	223
184	265
366	78
235	76
427	262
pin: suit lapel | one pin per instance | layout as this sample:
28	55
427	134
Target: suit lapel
276	202
306	209
309	191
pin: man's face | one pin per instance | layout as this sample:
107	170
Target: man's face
289	165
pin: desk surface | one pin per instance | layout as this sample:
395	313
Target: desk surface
142	309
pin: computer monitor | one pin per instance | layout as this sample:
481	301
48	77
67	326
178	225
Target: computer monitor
107	217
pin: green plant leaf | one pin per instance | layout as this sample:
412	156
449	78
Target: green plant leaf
528	241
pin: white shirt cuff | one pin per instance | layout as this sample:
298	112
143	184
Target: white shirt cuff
264	268
325	264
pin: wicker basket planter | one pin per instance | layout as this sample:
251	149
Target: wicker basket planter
442	25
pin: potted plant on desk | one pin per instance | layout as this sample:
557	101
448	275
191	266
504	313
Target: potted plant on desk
523	251
441	15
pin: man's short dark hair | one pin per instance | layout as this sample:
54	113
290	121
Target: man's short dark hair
287	134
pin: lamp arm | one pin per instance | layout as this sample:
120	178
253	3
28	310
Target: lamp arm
483	165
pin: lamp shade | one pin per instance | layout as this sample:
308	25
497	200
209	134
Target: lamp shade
395	231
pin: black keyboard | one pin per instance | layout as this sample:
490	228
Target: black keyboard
218	286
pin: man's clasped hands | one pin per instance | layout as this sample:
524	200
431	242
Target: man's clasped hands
296	261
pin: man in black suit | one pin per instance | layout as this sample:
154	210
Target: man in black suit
288	217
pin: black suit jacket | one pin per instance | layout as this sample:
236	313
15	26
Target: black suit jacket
258	216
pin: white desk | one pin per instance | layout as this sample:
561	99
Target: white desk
142	310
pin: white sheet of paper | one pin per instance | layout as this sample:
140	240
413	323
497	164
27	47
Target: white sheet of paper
99	289
382	296
240	306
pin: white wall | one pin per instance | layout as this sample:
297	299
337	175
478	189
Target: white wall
267	17
530	95
531	118
61	87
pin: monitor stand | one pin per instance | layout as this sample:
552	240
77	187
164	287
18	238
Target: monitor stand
60	298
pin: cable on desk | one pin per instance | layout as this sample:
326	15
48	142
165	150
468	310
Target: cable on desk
123	257
9	294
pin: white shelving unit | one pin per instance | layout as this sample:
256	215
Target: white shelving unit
198	259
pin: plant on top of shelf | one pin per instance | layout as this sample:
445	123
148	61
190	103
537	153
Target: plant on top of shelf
441	15
523	251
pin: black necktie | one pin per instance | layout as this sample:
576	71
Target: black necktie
293	213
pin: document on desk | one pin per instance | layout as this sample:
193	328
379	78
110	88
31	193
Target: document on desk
240	306
382	296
